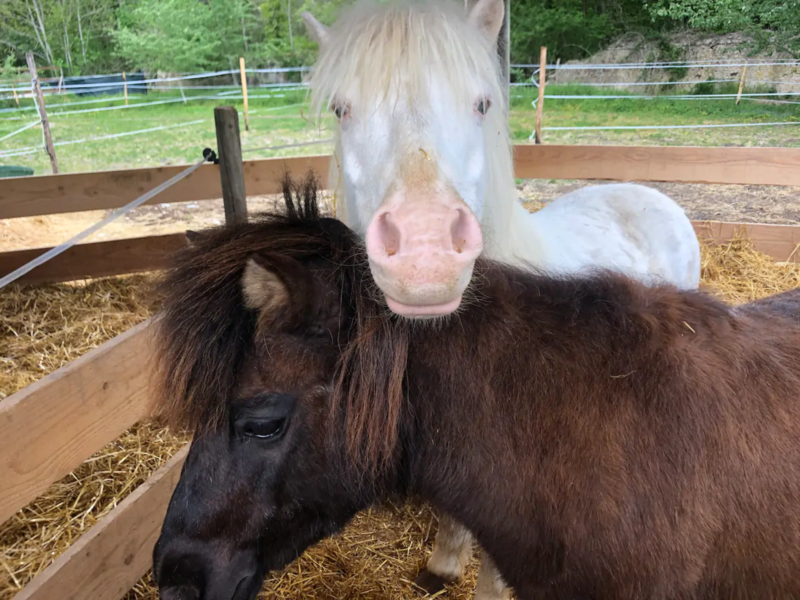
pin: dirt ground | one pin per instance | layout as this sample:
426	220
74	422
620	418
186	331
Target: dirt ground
738	203
702	202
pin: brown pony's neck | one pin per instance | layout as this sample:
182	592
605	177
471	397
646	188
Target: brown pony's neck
571	330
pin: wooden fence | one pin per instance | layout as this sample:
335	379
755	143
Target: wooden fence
50	427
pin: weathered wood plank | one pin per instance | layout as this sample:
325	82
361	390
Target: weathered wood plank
97	259
752	166
153	252
107	560
54	424
55	194
781	242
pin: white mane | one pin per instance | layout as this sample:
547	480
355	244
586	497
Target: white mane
374	44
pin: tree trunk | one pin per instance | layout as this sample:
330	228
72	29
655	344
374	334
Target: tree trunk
40	16
64	22
244	35
80	32
41	34
289	16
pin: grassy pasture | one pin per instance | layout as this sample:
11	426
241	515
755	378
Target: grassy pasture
281	117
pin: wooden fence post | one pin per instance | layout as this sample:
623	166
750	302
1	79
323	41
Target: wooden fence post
231	168
125	87
37	90
540	102
16	98
244	92
741	83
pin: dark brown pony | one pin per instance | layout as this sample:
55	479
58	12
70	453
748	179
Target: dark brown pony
601	439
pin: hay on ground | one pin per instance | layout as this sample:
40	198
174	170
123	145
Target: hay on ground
376	557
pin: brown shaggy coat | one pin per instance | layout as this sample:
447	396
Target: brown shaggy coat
601	439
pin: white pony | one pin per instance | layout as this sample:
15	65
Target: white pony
423	167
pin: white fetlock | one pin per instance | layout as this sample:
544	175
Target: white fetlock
452	550
490	583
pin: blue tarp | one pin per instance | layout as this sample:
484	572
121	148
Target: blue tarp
106	84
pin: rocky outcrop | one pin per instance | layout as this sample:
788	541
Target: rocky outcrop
691	47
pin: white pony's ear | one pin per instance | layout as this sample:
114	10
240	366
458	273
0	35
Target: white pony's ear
487	16
318	31
263	289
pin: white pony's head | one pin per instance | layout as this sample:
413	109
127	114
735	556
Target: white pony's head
415	89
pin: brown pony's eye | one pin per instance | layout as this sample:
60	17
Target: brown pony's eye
264	430
483	105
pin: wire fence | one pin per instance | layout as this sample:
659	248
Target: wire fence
234	92
197	87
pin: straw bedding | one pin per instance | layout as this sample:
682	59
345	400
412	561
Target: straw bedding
378	554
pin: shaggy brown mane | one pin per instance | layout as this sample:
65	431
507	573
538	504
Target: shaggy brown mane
205	331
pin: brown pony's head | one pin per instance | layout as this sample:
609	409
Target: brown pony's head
269	346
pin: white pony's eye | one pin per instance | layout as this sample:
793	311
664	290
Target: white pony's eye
483	105
340	109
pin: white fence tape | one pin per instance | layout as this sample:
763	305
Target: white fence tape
53	252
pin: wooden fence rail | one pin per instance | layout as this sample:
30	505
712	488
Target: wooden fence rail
51	426
54	194
151	253
112	556
96	259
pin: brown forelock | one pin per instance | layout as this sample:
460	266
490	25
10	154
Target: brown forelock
204	331
206	334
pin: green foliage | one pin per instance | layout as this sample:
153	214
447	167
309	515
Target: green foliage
97	36
773	23
667	52
566	31
709	15
187	35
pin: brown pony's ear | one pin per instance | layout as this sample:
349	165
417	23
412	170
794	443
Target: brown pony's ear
193	237
278	287
263	289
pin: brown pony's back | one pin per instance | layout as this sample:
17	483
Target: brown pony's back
621	442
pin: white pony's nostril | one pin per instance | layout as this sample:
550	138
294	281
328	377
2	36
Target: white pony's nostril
458	231
465	231
388	234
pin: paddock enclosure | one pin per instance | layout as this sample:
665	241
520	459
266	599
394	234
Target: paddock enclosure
86	474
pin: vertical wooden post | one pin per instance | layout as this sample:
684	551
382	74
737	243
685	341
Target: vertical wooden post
37	91
231	169
741	83
555	72
244	92
540	102
125	87
16	98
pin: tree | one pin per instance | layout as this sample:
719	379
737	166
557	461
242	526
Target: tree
187	35
68	33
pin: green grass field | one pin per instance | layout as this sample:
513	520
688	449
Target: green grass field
283	120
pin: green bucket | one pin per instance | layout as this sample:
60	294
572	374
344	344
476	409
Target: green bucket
15	171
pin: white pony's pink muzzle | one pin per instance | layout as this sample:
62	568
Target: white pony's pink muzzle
422	252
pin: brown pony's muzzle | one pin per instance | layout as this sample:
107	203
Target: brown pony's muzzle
190	570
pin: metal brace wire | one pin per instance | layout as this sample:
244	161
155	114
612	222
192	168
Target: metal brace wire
53	252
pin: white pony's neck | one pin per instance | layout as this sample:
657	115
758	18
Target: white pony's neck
509	232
